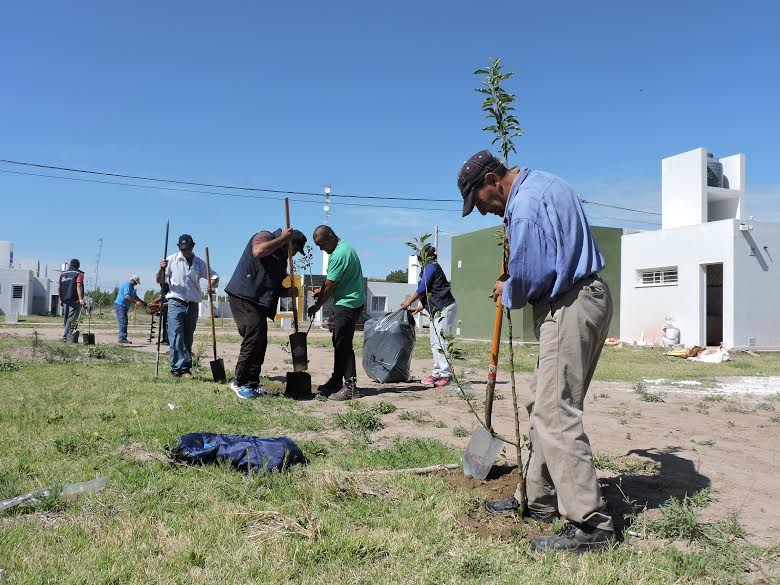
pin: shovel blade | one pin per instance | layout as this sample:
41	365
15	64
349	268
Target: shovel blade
298	349
218	370
481	453
298	386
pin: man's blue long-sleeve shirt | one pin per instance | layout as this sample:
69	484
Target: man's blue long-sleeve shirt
551	246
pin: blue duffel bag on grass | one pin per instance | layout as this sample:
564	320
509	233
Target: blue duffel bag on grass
244	452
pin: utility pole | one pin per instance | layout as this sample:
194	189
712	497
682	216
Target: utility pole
436	238
326	209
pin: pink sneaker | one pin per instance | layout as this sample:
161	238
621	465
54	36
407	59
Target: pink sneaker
442	382
429	380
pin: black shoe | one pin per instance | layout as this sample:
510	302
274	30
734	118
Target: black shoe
329	387
508	506
574	538
511	505
347	392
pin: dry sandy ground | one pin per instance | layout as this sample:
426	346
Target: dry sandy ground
741	466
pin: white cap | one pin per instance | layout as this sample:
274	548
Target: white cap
136	278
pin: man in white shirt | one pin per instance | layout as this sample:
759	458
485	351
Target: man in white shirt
183	271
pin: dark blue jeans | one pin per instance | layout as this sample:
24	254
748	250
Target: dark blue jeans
182	318
121	319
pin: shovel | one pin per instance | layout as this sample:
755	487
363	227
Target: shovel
298	382
217	366
483	448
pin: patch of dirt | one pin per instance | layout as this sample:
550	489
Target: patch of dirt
136	452
500	483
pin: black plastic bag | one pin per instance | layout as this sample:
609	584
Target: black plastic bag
387	347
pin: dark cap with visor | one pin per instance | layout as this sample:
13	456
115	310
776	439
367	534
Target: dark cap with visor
472	175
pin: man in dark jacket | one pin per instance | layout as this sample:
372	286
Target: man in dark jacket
253	293
435	296
71	296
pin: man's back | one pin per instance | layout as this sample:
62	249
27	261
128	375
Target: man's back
552	246
344	269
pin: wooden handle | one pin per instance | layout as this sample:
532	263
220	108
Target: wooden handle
498	321
211	304
292	265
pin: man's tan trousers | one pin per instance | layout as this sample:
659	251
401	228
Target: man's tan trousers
560	473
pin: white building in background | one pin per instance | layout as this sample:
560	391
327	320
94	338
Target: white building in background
710	268
25	290
386	297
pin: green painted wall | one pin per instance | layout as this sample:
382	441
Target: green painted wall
476	261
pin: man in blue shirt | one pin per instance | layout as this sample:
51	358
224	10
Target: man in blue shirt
435	296
124	298
554	265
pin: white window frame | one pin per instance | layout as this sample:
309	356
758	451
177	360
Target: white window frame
384	304
663	276
281	309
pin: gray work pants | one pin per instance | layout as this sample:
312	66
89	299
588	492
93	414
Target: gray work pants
70	314
560	472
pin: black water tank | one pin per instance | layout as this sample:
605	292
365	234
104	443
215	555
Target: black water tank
714	171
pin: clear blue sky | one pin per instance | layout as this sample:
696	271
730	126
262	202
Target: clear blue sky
375	99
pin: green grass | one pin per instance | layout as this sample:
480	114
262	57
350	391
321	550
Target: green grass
70	417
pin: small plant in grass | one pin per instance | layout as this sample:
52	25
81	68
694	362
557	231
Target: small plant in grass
646	395
476	566
439	424
704	443
421	417
10	366
765	406
97	353
713	398
702	407
774	419
468	396
359	421
384	408
679	518
460	431
733	406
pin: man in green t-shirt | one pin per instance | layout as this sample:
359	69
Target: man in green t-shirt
344	282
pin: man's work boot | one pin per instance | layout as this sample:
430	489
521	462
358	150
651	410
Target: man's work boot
329	387
575	538
348	391
511	505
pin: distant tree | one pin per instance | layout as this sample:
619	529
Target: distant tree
399	275
150	295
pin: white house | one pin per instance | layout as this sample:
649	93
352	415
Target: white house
709	268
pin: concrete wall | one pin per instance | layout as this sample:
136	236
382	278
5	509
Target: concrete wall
644	309
683	180
6	255
394	292
476	263
756	285
9	278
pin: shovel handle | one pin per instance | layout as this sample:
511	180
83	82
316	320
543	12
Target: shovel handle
211	305
498	320
292	264
493	364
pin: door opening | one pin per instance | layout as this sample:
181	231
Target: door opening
714	304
